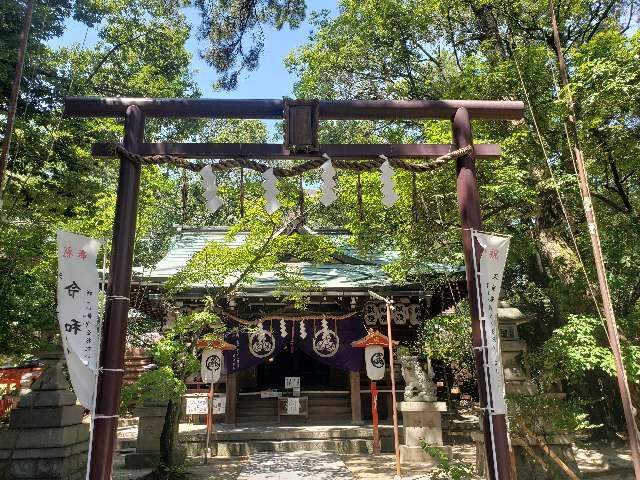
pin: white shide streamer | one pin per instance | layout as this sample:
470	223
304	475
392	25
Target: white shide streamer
270	191
210	185
328	183
389	195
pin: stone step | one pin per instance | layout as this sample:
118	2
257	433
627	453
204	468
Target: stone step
345	446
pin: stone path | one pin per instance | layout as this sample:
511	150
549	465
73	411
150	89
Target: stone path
295	466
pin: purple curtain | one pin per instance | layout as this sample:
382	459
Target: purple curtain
345	357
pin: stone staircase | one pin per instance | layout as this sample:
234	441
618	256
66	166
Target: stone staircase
243	441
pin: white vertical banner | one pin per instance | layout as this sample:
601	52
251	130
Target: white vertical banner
490	268
78	311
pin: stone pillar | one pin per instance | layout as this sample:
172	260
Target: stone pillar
356	400
151	421
421	422
232	398
46	439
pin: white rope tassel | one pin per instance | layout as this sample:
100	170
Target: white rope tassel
389	195
283	328
328	182
210	185
270	191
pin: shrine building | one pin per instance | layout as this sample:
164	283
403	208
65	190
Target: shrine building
275	341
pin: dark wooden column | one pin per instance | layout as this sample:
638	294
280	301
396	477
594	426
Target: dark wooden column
469	205
356	400
231	408
114	330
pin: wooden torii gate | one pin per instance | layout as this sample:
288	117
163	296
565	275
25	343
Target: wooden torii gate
301	120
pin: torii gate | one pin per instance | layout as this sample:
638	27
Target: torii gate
301	119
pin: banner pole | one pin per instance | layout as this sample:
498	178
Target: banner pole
114	330
374	417
396	437
494	426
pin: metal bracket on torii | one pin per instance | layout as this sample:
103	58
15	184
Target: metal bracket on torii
301	121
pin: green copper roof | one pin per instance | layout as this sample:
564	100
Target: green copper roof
350	271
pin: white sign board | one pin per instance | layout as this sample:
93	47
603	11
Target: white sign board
197	405
293	406
269	394
489	281
292	382
219	405
78	311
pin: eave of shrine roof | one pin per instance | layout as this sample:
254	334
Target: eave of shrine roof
352	270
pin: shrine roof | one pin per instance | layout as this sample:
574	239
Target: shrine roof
349	270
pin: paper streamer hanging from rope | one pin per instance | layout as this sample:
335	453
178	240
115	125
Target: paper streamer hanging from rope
328	182
270	191
210	185
389	195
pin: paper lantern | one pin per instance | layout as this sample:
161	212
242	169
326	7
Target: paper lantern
374	358
211	366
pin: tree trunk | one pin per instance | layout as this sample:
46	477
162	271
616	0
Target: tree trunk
169	456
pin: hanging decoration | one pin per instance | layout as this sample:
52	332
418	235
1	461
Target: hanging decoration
261	342
270	174
303	330
401	314
270	191
489	281
211	365
212	362
210	185
414	314
389	195
371	313
328	182
325	341
283	328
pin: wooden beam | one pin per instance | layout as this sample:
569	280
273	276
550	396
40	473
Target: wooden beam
232	398
273	109
356	401
277	151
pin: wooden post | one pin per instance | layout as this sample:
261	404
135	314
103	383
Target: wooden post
396	435
105	418
356	401
374	418
496	440
209	423
232	398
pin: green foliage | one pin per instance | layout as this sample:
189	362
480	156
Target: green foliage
448	468
545	414
447	337
154	385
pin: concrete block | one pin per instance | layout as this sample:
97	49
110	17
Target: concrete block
48	398
24	418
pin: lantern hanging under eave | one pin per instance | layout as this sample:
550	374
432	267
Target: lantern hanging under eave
373	344
212	359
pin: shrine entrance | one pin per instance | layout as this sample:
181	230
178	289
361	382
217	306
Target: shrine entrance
301	120
313	375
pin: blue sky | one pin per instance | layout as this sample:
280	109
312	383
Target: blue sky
270	80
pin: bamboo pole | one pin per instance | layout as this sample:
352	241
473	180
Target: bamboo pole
612	328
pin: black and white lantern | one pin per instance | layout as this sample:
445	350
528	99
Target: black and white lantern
374	359
211	366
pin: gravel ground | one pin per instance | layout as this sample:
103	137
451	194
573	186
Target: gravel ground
596	462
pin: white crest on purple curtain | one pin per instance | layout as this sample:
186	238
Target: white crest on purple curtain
325	341
210	185
270	191
261	342
328	183
388	192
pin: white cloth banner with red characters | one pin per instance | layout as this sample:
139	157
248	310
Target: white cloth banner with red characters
78	311
490	268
